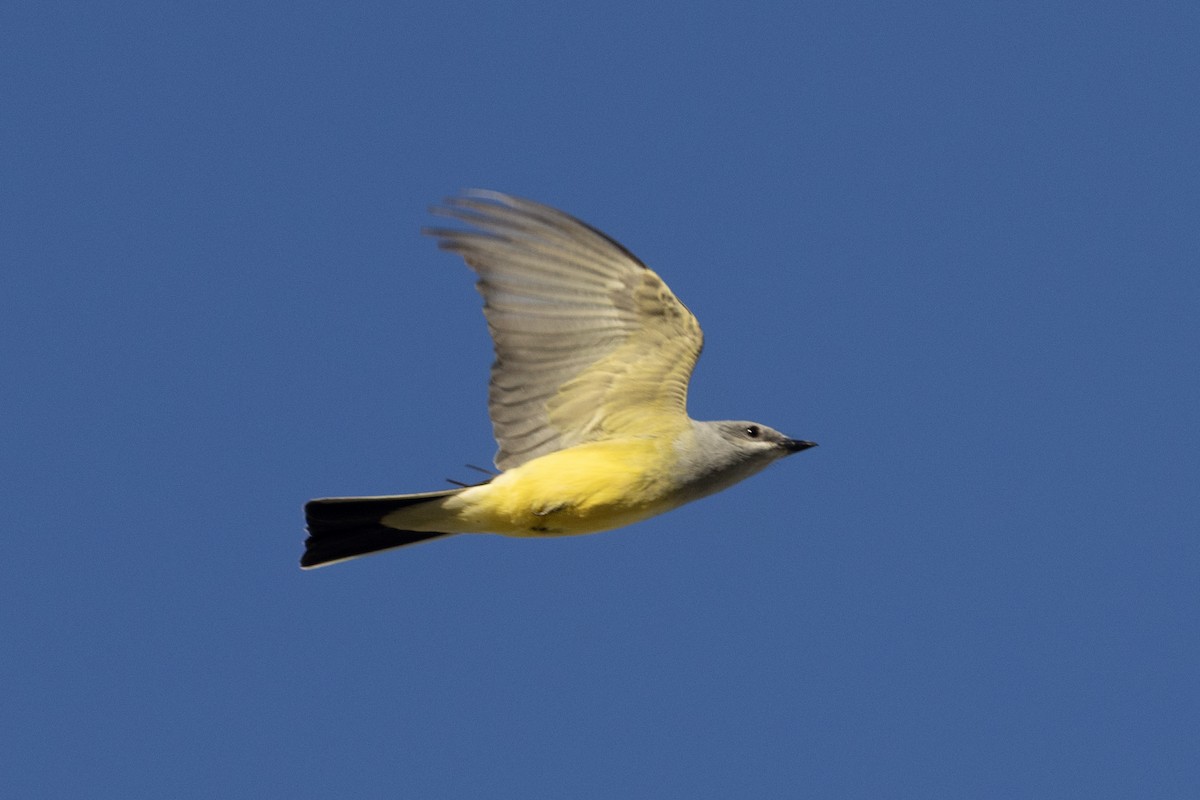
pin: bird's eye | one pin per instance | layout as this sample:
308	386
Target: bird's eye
753	431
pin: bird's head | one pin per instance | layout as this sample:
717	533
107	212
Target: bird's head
723	453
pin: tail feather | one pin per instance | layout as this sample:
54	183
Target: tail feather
341	528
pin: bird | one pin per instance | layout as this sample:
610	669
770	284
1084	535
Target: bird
587	397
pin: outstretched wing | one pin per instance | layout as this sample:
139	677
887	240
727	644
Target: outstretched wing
590	343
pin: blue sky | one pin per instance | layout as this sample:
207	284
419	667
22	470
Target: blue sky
955	243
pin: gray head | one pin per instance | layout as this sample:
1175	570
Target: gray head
723	453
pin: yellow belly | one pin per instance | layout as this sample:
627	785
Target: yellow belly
584	489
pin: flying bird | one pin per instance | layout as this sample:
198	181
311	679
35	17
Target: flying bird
588	395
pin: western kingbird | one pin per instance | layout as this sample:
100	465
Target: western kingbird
587	396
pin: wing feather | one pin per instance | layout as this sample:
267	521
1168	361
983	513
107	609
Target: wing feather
590	343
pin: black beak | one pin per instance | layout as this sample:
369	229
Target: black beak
796	445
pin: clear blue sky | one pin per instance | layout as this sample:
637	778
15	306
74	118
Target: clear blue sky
958	244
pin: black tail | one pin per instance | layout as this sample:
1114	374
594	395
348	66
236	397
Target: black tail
340	528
